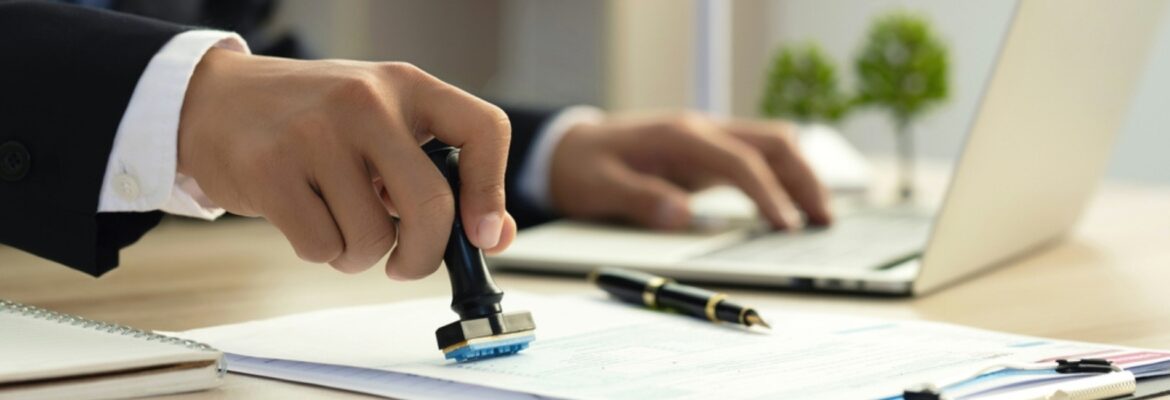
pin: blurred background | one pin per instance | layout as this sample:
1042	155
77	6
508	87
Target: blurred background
713	54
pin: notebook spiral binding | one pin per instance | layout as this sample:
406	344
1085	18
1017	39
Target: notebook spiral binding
1103	392
116	329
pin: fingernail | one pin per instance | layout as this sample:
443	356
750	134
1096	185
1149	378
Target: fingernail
487	233
671	214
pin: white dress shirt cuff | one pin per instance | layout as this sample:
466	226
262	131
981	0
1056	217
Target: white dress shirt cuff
535	173
141	173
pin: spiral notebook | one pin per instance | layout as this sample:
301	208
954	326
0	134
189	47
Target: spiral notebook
50	355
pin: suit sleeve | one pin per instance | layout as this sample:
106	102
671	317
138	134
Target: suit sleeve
67	76
527	126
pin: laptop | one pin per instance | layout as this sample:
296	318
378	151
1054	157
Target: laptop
1036	148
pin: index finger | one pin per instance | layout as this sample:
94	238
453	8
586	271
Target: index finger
741	164
483	134
781	149
422	198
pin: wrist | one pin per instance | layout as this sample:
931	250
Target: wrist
571	139
144	154
199	99
535	174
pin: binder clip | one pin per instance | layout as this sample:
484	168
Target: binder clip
925	391
1089	365
933	391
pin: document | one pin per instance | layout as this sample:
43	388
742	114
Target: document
591	348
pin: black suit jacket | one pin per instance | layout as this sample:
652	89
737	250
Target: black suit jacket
66	78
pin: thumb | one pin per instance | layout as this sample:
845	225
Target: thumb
648	200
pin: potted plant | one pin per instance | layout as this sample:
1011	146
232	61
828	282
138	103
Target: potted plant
802	86
902	68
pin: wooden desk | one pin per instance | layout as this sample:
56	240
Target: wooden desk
1109	282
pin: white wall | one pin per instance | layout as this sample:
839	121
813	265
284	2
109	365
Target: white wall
973	31
456	40
543	52
551	53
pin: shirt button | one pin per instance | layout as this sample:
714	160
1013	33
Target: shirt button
14	161
126	187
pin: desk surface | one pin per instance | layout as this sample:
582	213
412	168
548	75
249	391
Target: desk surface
1108	282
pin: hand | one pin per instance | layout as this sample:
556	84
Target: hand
309	145
641	169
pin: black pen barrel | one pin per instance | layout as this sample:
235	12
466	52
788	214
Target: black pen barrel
630	286
653	291
700	303
688	300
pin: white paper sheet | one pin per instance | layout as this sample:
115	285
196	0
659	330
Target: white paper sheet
595	348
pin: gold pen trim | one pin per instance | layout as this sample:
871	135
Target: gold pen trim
743	316
650	293
712	303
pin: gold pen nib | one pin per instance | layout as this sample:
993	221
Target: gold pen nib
754	319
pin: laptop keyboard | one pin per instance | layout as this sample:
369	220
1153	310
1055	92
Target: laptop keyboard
864	240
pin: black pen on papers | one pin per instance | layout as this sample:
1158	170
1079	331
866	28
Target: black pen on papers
658	292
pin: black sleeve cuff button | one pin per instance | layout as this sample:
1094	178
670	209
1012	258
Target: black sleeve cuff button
14	161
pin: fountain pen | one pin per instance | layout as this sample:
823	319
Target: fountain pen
662	293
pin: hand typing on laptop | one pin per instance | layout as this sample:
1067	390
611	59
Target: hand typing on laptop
640	170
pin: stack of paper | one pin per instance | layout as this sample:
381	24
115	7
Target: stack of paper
591	347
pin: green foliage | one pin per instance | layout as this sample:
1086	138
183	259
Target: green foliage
802	85
902	67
